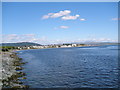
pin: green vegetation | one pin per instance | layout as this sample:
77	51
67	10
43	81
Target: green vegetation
20	44
82	44
67	44
7	48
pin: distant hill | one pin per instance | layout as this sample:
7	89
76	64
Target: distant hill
20	44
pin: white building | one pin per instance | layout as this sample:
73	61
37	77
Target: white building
74	45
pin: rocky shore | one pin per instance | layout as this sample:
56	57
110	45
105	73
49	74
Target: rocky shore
11	67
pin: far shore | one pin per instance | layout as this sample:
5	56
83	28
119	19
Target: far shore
56	47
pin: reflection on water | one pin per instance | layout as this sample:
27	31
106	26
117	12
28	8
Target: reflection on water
71	67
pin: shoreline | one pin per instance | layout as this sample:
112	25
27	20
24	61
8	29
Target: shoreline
11	70
58	47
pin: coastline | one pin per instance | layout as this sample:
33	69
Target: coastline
55	47
83	59
11	66
60	47
11	70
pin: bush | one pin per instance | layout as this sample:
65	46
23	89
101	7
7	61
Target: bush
6	48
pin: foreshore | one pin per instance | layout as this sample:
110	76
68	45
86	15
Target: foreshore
10	70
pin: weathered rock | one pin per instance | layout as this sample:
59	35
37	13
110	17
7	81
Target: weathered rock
11	63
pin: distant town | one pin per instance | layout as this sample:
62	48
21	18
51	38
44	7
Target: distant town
52	46
29	45
36	46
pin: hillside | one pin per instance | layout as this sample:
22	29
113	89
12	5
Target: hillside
21	44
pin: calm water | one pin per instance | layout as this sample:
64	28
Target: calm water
71	67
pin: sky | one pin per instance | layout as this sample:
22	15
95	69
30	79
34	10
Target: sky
59	22
60	0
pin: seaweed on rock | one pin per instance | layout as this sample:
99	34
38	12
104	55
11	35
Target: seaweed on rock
11	66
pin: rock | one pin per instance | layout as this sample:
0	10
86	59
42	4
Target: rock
10	64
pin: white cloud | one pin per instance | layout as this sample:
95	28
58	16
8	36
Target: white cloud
61	27
6	38
59	41
56	15
97	40
68	17
61	13
64	27
64	15
82	19
45	17
29	35
12	38
115	19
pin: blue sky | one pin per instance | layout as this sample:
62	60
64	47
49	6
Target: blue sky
60	0
53	22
